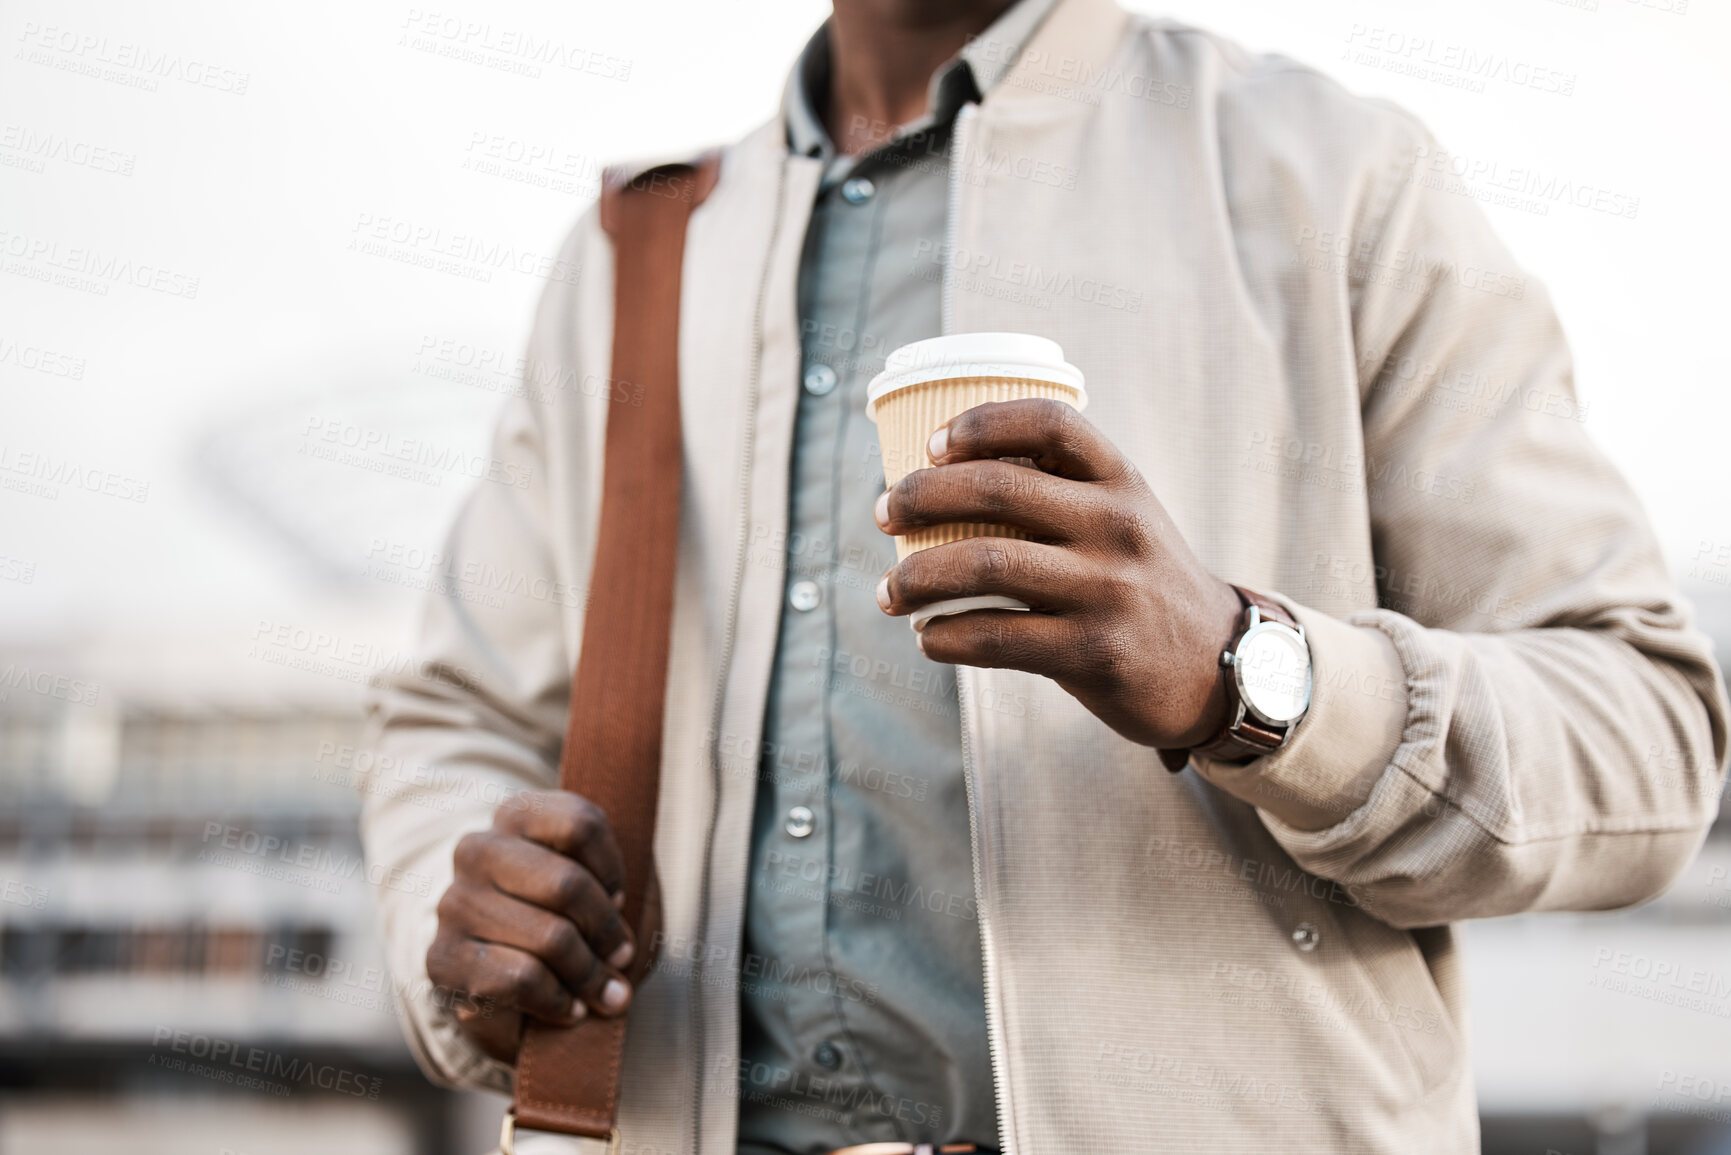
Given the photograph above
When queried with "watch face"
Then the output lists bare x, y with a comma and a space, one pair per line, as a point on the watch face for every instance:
1274, 673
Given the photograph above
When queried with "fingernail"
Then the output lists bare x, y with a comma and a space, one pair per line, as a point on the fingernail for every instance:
577, 1013
619, 900
881, 511
621, 957
920, 641
615, 995
884, 593
938, 445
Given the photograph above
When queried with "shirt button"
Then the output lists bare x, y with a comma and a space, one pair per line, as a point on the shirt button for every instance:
804, 596
819, 380
800, 823
1305, 936
858, 191
827, 1056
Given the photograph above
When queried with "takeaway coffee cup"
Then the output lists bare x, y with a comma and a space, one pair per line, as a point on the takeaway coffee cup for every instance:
927, 383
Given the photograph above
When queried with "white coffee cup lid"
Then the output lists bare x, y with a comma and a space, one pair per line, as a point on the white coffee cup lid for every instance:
975, 355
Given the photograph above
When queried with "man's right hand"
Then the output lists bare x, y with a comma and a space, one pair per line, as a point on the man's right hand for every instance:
531, 924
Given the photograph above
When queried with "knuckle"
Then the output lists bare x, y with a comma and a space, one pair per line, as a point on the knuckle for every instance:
451, 910
1001, 487
510, 816
1070, 431
471, 851
1127, 527
574, 820
558, 939
991, 562
589, 820
908, 496
568, 885
1120, 588
1000, 640
966, 424
442, 965
910, 579
1066, 424
484, 979
1106, 656
520, 976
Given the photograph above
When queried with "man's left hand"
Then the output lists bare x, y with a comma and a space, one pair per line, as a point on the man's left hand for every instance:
1124, 616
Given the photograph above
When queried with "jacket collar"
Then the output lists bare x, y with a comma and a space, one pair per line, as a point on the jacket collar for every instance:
1064, 59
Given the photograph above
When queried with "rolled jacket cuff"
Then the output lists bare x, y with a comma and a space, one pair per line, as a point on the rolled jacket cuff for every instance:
438, 1044
1345, 741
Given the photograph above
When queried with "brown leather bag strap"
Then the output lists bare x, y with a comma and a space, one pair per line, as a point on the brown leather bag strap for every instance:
568, 1077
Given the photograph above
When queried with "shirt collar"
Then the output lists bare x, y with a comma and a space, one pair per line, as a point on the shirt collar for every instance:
969, 76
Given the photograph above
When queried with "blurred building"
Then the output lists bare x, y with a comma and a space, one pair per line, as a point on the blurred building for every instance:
188, 959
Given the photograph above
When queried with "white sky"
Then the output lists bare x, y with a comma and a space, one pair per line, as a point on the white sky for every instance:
258, 196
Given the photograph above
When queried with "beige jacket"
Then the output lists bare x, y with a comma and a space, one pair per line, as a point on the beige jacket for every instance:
1346, 394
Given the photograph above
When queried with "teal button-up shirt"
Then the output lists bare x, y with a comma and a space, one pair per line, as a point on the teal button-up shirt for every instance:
862, 1001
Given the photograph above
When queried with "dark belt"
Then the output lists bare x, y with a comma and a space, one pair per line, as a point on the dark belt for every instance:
908, 1149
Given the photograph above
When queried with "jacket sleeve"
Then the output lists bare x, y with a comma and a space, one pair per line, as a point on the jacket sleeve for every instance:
1529, 722
481, 718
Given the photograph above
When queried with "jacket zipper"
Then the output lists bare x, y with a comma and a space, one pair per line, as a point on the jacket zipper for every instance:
965, 686
699, 1039
958, 159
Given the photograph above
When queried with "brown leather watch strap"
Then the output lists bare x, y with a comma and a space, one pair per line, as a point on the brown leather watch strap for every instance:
568, 1077
1270, 609
1251, 739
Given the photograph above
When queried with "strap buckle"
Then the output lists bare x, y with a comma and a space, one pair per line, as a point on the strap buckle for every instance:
508, 1135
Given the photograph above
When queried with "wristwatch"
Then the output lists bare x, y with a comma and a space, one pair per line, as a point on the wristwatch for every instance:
1267, 672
